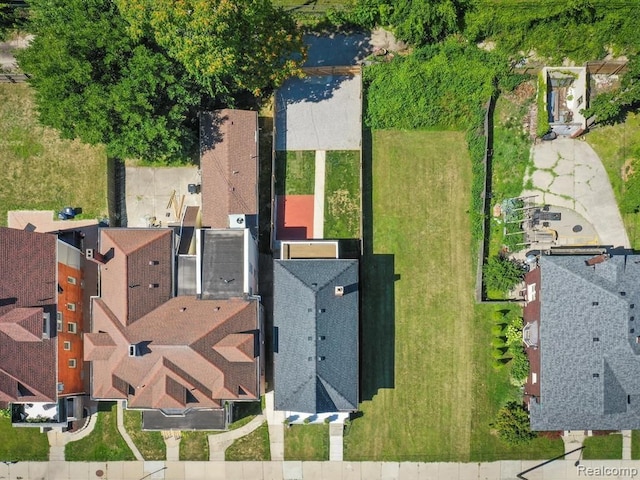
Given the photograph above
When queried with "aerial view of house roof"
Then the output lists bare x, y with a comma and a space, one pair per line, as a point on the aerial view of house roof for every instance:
229, 165
28, 293
316, 335
589, 343
164, 352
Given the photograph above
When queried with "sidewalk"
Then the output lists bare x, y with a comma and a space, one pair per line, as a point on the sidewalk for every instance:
505, 470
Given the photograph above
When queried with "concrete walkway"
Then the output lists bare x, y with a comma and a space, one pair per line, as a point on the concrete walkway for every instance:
172, 444
336, 443
568, 173
275, 423
58, 440
505, 470
626, 444
318, 197
573, 440
220, 442
123, 431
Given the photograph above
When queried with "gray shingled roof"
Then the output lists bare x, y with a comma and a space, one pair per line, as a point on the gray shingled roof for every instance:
316, 335
589, 353
222, 263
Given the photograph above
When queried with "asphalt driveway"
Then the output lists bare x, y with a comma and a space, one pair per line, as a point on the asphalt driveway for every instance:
568, 173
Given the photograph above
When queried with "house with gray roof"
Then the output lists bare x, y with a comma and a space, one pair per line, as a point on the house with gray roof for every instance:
316, 335
585, 373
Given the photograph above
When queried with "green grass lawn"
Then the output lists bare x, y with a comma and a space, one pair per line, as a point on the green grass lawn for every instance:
22, 444
342, 195
253, 447
603, 447
41, 171
104, 443
635, 444
428, 388
306, 442
295, 172
150, 444
619, 146
194, 446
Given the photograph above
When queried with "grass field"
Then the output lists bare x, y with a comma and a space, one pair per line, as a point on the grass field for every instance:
253, 447
104, 443
635, 444
306, 442
616, 146
342, 194
150, 444
22, 444
41, 171
603, 447
295, 172
428, 388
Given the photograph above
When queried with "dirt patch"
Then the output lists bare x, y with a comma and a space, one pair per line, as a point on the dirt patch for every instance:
343, 206
522, 93
628, 169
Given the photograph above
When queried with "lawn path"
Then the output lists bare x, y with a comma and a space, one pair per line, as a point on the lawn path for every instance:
318, 200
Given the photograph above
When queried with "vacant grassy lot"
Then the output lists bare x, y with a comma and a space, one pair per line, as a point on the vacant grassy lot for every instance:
104, 443
41, 171
22, 444
306, 442
253, 447
603, 447
150, 444
618, 147
295, 172
342, 195
428, 389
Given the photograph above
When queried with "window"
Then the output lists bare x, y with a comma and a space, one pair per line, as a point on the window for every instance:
73, 363
72, 327
71, 280
59, 321
67, 345
71, 307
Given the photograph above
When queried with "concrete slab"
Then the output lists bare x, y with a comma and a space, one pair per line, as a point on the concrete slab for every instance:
115, 470
371, 470
149, 189
251, 469
175, 470
58, 469
468, 470
319, 113
493, 470
428, 471
292, 470
131, 471
351, 471
331, 470
154, 470
389, 470
542, 179
337, 49
536, 474
506, 469
194, 470
217, 470
272, 471
234, 470
449, 470
312, 470
78, 470
409, 470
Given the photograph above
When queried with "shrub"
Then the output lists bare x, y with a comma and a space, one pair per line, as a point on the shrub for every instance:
514, 331
512, 424
519, 366
543, 116
502, 274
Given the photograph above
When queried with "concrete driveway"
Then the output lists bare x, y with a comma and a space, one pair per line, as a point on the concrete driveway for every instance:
568, 173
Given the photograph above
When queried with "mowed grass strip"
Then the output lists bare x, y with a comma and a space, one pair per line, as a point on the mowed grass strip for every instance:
104, 443
342, 194
418, 334
150, 444
194, 446
22, 444
306, 442
41, 171
603, 447
618, 146
295, 172
253, 447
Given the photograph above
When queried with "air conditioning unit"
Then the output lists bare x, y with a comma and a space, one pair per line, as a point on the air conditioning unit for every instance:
237, 221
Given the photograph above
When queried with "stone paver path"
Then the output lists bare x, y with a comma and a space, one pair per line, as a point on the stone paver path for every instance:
318, 198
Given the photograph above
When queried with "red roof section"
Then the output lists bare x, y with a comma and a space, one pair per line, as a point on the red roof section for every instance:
229, 165
27, 290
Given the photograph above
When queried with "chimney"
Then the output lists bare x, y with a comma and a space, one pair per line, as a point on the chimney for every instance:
134, 351
597, 259
339, 291
94, 256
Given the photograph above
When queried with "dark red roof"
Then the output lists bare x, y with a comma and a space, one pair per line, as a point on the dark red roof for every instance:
28, 263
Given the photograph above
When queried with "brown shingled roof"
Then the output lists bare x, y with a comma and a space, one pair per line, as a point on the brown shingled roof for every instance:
177, 366
229, 165
27, 289
137, 274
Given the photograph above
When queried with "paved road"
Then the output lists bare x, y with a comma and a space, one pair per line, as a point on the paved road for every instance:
505, 470
568, 173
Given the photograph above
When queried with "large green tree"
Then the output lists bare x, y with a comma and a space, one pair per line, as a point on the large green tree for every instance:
93, 82
226, 45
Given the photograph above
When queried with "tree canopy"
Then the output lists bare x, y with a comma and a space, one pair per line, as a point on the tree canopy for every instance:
225, 45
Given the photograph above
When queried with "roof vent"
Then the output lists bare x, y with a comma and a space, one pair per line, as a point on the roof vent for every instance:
133, 351
622, 294
595, 304
237, 221
596, 375
596, 339
154, 285
153, 262
339, 291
